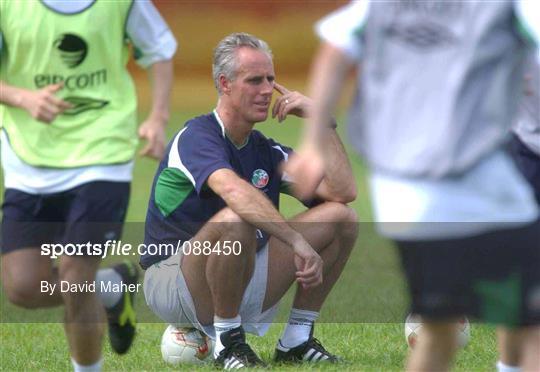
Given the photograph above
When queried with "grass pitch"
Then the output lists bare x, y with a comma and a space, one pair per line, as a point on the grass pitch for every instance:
361, 321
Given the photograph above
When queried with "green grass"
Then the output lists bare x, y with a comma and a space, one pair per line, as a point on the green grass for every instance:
366, 347
361, 320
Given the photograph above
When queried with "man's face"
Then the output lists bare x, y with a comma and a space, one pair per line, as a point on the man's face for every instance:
251, 91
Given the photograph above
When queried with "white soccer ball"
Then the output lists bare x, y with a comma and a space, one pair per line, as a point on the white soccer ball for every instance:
413, 329
185, 345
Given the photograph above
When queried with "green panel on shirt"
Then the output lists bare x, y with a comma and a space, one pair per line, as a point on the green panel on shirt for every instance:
172, 188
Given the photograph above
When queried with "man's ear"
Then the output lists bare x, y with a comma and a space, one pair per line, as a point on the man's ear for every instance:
224, 84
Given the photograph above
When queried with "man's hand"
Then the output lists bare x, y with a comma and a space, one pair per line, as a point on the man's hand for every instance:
293, 103
153, 130
42, 104
308, 263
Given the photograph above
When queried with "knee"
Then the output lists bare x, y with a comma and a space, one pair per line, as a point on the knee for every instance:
24, 294
350, 216
339, 212
349, 226
345, 219
77, 277
232, 225
79, 297
441, 335
78, 269
350, 221
27, 279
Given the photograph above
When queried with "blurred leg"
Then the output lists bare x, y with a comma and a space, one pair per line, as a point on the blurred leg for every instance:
520, 347
23, 271
509, 343
435, 349
530, 352
84, 313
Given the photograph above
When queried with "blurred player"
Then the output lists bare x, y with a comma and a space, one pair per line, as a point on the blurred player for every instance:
526, 139
525, 149
69, 135
218, 188
438, 89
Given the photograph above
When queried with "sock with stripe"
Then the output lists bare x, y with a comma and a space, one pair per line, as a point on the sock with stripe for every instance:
298, 328
222, 325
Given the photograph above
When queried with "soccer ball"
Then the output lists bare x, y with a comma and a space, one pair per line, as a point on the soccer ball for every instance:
185, 345
413, 328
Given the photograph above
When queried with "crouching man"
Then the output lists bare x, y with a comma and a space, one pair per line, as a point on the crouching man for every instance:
217, 191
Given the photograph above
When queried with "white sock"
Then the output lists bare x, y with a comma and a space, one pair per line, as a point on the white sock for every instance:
109, 298
298, 328
501, 367
96, 367
222, 325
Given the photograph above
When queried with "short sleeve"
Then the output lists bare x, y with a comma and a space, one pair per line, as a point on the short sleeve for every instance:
152, 39
199, 152
528, 16
343, 28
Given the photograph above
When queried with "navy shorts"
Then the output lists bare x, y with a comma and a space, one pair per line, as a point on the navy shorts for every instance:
93, 212
528, 163
493, 277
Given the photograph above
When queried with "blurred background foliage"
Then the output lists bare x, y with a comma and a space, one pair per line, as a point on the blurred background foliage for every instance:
287, 26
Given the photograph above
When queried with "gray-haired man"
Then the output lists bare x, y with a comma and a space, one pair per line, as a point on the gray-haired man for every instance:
218, 187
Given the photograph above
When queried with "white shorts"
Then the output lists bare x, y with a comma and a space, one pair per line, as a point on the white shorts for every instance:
491, 196
168, 296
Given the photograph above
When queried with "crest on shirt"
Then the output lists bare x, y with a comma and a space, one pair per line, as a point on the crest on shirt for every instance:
260, 178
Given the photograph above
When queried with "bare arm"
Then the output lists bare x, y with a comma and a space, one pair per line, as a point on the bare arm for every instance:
326, 82
153, 128
41, 104
327, 78
255, 208
337, 182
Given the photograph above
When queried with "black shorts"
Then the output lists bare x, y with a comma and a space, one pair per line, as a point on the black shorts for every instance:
93, 212
493, 277
528, 163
